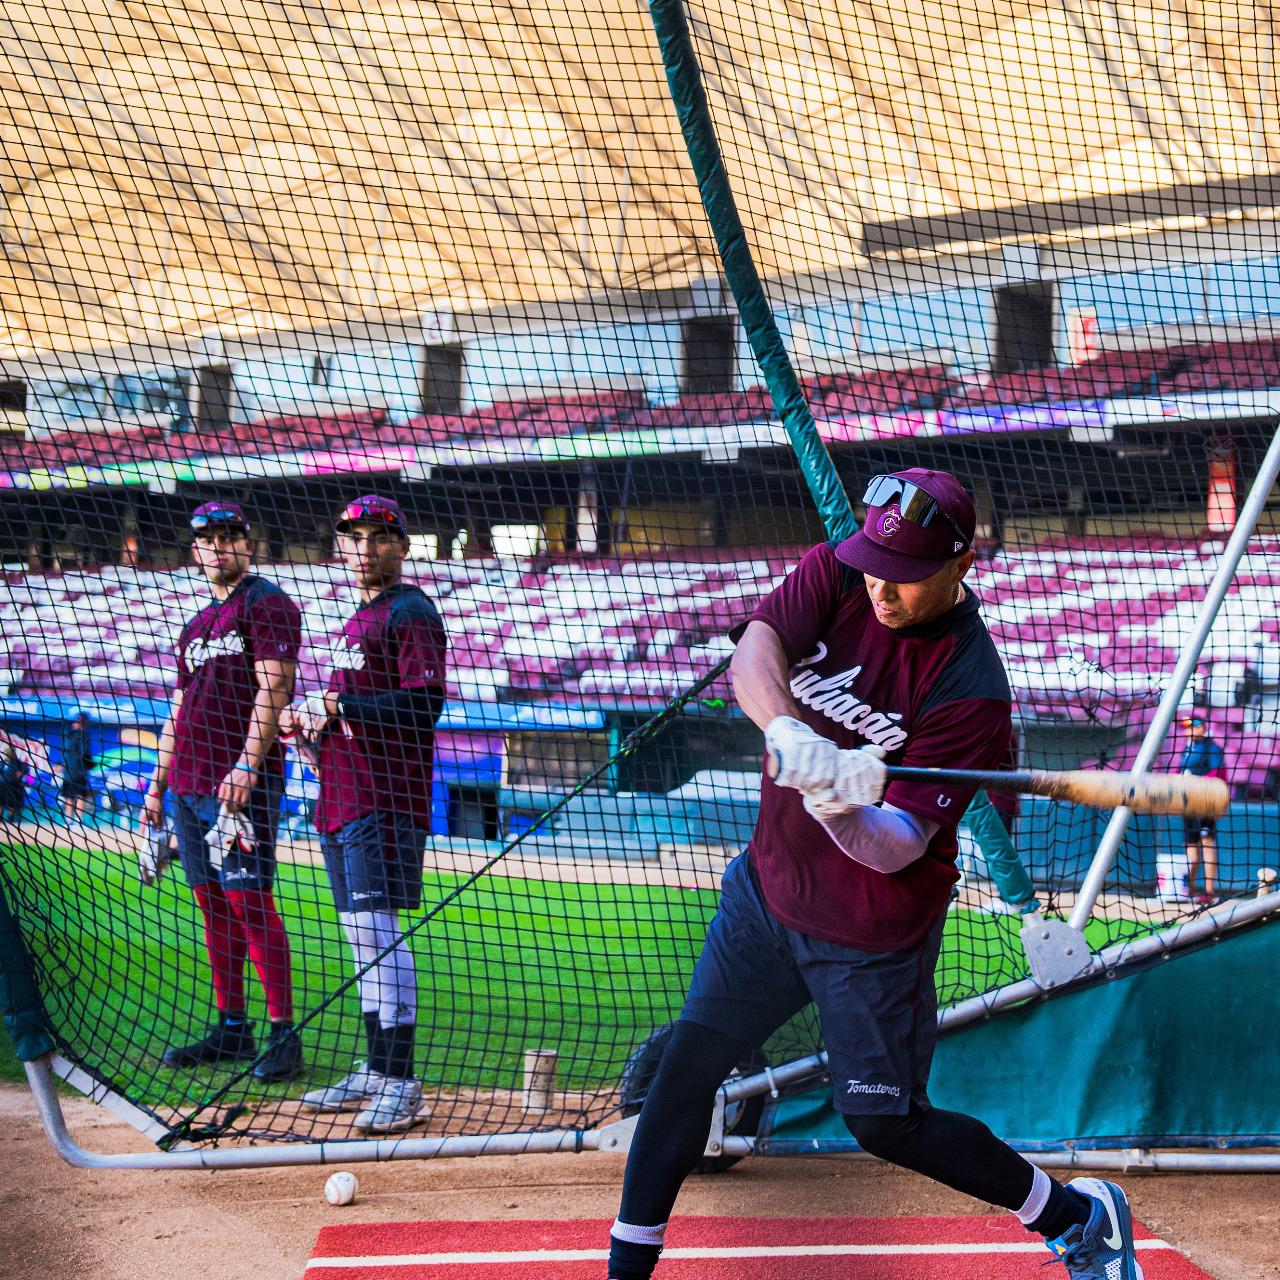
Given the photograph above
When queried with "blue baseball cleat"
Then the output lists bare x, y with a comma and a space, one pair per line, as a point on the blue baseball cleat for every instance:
1102, 1249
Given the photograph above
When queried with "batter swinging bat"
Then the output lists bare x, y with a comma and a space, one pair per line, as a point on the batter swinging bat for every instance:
1182, 794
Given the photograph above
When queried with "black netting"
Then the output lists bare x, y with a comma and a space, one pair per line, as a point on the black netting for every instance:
261, 261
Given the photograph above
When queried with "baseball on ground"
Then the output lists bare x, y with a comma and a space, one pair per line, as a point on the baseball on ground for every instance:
341, 1188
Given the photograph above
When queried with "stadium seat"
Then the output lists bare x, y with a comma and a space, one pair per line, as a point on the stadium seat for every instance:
641, 629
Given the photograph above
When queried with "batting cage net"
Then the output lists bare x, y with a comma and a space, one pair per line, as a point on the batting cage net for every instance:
403, 402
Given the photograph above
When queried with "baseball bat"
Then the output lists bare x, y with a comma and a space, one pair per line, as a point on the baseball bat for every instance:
1182, 794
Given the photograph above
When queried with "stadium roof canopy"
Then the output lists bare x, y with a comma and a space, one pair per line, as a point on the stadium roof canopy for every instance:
228, 167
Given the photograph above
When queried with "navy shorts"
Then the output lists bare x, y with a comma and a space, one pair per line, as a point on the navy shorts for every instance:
76, 789
1196, 829
878, 1009
193, 816
375, 862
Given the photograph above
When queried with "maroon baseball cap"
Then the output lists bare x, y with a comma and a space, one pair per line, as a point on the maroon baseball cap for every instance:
219, 515
372, 509
916, 521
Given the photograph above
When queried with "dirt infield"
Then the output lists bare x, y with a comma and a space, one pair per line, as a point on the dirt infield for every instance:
261, 1225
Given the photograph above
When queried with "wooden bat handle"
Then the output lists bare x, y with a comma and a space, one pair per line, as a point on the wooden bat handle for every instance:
1181, 794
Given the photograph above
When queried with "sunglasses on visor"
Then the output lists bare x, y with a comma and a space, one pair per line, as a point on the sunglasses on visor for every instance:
217, 520
370, 512
914, 504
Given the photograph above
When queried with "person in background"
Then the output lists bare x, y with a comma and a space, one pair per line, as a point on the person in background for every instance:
220, 759
133, 552
77, 793
372, 732
13, 783
1203, 758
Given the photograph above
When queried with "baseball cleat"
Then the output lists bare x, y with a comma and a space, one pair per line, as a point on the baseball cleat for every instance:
224, 1043
1103, 1248
283, 1057
361, 1085
398, 1106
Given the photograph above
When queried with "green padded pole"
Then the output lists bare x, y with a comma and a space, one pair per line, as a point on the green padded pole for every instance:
685, 80
1003, 864
19, 999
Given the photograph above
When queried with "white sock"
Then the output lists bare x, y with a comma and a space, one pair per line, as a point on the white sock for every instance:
366, 984
390, 985
1037, 1198
625, 1231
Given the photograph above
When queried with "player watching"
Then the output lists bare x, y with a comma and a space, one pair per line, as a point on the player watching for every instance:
871, 649
77, 761
13, 783
371, 733
1203, 758
219, 757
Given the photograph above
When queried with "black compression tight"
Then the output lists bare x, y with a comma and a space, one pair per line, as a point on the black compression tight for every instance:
672, 1131
954, 1149
671, 1135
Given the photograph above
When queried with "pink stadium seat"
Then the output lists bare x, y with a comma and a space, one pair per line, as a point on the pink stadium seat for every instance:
645, 624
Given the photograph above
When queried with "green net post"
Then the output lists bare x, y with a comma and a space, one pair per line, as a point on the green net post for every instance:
1003, 864
685, 81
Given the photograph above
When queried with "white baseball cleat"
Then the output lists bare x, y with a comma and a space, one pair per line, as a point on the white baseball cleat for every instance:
398, 1106
361, 1085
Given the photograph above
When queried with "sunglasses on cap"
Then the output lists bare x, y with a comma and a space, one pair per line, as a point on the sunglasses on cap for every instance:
219, 518
359, 512
914, 504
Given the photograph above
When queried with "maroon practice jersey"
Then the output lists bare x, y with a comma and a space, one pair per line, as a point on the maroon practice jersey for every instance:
933, 695
216, 651
394, 642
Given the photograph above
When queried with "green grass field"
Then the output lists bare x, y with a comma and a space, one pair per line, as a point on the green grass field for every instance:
517, 963
514, 963
10, 1067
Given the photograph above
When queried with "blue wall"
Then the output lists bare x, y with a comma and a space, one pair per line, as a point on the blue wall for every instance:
603, 355
1134, 299
958, 319
281, 383
1240, 290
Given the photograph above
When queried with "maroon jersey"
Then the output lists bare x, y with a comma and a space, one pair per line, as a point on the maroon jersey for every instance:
382, 760
216, 652
933, 695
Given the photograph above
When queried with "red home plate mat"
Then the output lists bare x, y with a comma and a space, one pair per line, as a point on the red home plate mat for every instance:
993, 1247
